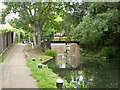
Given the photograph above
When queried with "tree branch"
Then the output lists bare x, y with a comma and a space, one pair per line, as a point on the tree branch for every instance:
45, 8
39, 15
48, 11
30, 12
25, 7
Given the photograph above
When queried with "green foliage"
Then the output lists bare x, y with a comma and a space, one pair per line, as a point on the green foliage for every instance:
91, 31
35, 17
108, 52
20, 34
99, 28
87, 53
8, 30
50, 53
74, 84
75, 11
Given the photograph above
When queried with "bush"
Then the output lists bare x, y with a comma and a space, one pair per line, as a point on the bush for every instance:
87, 53
50, 53
108, 52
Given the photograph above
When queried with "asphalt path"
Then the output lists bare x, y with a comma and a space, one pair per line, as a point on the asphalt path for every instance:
15, 73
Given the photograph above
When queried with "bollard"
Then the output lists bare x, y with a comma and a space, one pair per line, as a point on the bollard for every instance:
40, 59
40, 65
33, 59
32, 45
59, 83
80, 78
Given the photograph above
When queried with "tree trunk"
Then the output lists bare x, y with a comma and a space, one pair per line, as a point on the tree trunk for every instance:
34, 37
39, 37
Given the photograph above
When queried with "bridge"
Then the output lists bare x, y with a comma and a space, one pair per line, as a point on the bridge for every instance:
65, 42
59, 40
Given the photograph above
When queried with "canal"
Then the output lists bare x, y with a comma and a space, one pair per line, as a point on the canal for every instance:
96, 73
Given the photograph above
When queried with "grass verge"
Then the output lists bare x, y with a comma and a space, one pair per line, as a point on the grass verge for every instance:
44, 76
1, 59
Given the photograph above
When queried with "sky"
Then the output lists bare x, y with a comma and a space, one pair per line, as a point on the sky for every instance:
1, 5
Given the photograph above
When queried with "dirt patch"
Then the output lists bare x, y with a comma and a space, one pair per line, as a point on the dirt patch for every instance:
29, 50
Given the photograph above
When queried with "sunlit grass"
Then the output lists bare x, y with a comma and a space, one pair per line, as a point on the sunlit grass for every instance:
44, 76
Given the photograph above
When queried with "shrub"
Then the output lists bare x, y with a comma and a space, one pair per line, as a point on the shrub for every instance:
108, 52
50, 53
87, 53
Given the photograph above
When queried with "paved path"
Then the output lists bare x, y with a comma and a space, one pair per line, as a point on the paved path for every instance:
15, 73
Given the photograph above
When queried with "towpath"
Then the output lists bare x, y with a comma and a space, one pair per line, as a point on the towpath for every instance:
15, 73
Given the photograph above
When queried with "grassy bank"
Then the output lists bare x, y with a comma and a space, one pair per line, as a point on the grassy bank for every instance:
44, 76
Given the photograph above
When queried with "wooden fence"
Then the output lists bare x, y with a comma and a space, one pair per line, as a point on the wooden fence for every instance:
5, 40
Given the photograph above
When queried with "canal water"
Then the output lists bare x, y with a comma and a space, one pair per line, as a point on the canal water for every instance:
96, 73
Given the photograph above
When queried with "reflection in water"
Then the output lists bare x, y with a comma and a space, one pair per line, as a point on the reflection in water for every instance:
95, 73
62, 66
74, 60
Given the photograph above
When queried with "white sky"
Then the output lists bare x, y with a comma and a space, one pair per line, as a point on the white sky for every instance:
1, 5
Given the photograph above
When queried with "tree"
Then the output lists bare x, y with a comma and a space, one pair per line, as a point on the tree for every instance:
75, 11
34, 13
100, 27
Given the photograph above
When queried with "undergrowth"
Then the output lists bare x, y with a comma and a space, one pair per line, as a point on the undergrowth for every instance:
49, 52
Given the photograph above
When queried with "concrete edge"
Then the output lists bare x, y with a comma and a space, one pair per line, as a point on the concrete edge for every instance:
47, 60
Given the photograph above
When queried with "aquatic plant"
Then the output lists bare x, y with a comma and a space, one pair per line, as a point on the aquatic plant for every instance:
74, 84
